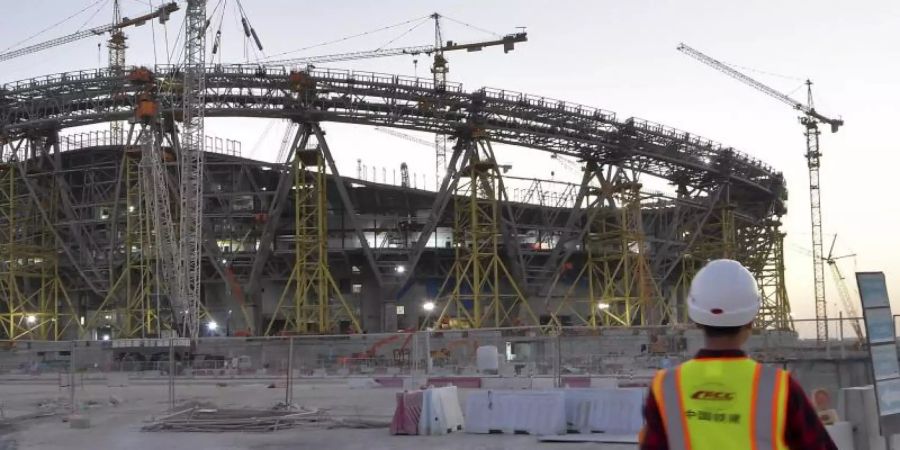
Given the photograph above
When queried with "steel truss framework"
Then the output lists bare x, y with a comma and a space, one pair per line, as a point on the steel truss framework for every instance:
480, 290
727, 204
312, 302
620, 288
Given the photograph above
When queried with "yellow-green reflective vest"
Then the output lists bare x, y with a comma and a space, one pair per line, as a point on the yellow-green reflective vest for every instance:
723, 403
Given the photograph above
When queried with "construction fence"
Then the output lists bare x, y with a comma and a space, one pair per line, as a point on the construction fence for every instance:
575, 357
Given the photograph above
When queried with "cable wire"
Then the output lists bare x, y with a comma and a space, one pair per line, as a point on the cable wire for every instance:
153, 35
96, 11
51, 27
763, 72
471, 26
346, 38
401, 35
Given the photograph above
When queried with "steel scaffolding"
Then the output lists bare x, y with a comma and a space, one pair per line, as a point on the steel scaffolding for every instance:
615, 285
36, 305
500, 252
775, 310
311, 302
480, 291
140, 311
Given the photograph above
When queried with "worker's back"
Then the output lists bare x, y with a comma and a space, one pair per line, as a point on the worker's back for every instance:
722, 399
722, 403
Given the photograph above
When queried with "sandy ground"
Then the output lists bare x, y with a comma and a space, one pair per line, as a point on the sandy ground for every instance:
118, 413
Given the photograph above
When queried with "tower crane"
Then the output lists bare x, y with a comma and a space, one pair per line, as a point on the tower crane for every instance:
439, 69
190, 165
162, 13
810, 119
508, 42
843, 290
404, 136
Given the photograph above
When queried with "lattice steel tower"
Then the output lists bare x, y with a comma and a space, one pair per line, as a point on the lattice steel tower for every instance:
190, 164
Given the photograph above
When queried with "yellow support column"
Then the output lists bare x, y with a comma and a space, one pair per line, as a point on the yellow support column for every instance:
139, 310
620, 288
34, 303
479, 290
775, 311
311, 301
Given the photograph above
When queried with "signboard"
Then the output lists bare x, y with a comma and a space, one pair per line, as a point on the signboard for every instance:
882, 347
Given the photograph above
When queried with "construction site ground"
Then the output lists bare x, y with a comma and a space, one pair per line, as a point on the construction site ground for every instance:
117, 415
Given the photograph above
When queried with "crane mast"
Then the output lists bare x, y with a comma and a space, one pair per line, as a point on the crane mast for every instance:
810, 121
190, 165
116, 46
811, 132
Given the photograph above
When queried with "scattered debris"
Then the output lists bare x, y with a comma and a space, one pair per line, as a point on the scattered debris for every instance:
220, 420
209, 418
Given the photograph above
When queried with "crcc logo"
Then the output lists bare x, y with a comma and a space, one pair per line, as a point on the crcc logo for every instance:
712, 395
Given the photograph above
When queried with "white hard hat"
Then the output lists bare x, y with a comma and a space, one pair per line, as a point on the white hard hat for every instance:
723, 294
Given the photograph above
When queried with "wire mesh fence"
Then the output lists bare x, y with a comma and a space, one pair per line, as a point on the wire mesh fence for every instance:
238, 371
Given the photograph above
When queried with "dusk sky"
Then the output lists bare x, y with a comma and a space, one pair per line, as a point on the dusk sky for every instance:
615, 55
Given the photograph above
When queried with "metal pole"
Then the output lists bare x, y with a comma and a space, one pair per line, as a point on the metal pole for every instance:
289, 386
558, 362
414, 356
171, 374
72, 377
427, 352
841, 334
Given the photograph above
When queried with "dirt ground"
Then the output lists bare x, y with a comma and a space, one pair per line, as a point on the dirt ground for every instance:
118, 413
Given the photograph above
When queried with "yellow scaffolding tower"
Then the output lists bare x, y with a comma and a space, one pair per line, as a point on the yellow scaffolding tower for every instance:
139, 311
311, 301
716, 238
620, 288
35, 304
472, 294
128, 305
775, 310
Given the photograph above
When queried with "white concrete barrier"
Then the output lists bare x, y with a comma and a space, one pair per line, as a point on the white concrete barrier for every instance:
616, 411
842, 435
496, 383
441, 413
532, 412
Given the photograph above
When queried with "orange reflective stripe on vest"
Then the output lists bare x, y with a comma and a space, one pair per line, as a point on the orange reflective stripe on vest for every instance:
732, 403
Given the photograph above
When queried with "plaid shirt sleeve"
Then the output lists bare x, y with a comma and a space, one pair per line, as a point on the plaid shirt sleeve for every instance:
653, 435
804, 430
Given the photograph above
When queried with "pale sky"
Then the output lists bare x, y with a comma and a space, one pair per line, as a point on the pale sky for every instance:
616, 55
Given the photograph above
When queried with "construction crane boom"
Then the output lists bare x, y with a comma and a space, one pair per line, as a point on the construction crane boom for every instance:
810, 120
843, 290
404, 136
508, 42
809, 110
162, 13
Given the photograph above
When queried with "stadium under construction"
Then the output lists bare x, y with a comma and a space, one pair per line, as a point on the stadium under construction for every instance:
298, 246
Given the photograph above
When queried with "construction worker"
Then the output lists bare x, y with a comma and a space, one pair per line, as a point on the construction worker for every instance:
722, 399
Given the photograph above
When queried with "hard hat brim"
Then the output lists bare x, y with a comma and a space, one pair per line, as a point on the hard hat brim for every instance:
734, 318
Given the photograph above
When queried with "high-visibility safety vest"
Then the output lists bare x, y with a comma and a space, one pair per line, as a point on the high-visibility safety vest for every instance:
723, 403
